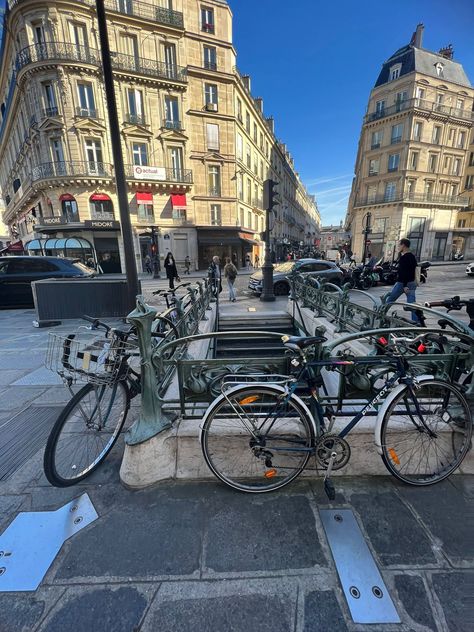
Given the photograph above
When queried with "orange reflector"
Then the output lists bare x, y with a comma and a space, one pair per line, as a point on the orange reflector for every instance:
394, 456
270, 473
249, 400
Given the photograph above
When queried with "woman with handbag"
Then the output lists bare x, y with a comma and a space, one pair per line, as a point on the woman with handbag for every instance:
171, 269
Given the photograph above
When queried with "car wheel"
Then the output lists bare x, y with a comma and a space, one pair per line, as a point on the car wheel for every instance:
280, 289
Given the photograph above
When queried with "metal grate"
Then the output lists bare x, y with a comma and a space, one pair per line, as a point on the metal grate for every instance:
24, 435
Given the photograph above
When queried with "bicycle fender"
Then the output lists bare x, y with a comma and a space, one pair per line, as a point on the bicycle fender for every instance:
383, 409
234, 389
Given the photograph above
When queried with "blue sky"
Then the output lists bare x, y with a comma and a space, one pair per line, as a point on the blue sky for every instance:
314, 63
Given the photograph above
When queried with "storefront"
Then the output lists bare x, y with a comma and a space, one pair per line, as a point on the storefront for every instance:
226, 242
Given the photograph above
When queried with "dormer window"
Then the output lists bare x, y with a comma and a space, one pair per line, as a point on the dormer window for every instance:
395, 72
439, 69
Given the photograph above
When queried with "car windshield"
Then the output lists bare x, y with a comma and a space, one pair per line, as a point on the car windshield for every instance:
80, 266
285, 267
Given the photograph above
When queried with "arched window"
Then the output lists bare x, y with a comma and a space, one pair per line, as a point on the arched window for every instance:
69, 207
101, 206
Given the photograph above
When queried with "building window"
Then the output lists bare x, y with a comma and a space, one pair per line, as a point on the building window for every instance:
460, 104
461, 140
420, 93
376, 140
432, 163
439, 69
394, 72
57, 152
210, 94
456, 166
380, 107
374, 167
411, 188
414, 160
390, 191
461, 223
451, 136
255, 133
436, 134
371, 193
261, 141
140, 154
50, 103
261, 169
101, 207
400, 100
249, 157
69, 209
216, 215
176, 159
172, 113
135, 106
146, 213
207, 20
240, 147
249, 191
471, 159
210, 57
397, 131
38, 33
415, 234
239, 110
240, 188
417, 130
94, 157
215, 181
393, 162
249, 219
469, 182
247, 122
212, 135
86, 100
429, 186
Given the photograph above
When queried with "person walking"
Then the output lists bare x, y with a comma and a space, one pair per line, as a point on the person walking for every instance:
406, 277
148, 267
256, 262
171, 270
247, 261
187, 265
230, 273
214, 272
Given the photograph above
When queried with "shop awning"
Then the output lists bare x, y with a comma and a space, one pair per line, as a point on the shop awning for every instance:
145, 197
178, 201
247, 238
15, 247
99, 197
66, 197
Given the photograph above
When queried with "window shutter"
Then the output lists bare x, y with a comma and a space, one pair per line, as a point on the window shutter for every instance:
212, 136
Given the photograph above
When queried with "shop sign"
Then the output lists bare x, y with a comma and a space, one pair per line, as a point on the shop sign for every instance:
143, 172
102, 224
52, 221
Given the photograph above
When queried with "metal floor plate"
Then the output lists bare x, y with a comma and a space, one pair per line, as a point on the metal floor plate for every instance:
23, 435
366, 594
39, 377
31, 542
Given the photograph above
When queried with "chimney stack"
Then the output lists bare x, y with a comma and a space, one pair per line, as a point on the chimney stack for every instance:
246, 82
447, 52
271, 124
419, 35
259, 103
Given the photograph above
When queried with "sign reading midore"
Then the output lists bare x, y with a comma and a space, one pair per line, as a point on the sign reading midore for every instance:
150, 173
104, 224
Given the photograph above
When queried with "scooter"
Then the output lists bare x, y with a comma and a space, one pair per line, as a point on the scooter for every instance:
424, 265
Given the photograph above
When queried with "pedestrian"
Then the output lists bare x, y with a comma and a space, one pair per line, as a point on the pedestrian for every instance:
148, 264
406, 276
230, 273
247, 261
256, 261
371, 260
214, 272
171, 270
187, 264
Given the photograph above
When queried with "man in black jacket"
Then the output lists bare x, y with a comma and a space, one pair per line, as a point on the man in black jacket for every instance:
406, 282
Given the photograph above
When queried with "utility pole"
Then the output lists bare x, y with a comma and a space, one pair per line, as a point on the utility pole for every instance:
156, 253
270, 200
125, 223
367, 231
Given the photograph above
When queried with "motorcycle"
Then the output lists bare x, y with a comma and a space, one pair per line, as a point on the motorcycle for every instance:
424, 265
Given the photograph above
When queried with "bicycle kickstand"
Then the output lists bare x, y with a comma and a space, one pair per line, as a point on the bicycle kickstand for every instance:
328, 484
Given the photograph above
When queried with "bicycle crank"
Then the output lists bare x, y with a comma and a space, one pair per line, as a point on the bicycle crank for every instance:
332, 449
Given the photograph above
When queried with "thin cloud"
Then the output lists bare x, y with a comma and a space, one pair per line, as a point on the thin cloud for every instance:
325, 180
334, 191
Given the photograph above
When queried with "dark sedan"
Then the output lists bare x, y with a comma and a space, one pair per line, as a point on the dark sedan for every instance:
324, 270
17, 274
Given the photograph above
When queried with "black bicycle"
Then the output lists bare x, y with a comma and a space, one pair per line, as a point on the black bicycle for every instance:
257, 437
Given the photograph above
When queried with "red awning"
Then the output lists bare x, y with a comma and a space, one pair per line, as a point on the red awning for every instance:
145, 196
99, 197
16, 247
178, 201
66, 197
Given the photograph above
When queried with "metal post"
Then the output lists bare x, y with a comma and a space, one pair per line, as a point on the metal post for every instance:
156, 254
367, 232
126, 226
267, 268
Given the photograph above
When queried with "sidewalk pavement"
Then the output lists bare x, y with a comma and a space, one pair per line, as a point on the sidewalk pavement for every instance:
182, 557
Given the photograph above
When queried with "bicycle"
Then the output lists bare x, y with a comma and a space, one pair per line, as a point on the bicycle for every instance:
259, 437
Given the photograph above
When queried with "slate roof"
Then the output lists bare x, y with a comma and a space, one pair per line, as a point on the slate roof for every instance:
423, 61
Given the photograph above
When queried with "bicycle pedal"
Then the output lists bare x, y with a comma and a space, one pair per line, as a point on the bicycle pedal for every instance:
329, 489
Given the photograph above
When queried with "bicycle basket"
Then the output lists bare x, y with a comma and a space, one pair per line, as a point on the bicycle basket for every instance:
94, 360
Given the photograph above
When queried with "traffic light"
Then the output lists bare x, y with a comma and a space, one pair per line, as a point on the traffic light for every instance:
271, 196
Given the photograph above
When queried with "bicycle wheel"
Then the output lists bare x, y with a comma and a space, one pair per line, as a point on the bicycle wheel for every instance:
254, 442
85, 432
426, 433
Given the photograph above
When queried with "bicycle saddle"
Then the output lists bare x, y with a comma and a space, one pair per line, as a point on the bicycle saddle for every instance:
302, 341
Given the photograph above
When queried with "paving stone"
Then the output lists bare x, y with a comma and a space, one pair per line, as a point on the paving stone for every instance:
455, 592
262, 534
141, 538
8, 506
449, 515
20, 612
15, 398
235, 613
464, 483
323, 613
15, 360
7, 376
393, 531
119, 609
412, 594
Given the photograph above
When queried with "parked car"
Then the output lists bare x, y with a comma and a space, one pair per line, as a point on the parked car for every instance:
470, 269
326, 270
17, 273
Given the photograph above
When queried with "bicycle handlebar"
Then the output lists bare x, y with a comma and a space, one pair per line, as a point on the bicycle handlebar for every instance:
164, 292
96, 323
454, 303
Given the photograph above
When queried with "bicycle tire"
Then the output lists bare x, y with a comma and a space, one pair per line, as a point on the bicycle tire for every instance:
57, 473
256, 466
403, 439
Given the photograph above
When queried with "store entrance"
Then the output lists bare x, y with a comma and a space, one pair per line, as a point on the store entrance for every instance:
108, 256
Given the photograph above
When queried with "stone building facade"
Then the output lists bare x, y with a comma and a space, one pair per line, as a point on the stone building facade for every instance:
196, 144
412, 153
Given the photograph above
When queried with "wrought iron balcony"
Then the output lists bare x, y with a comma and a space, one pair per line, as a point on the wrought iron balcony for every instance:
395, 140
86, 112
51, 111
146, 11
208, 28
420, 104
210, 65
62, 51
136, 119
214, 191
176, 125
66, 169
151, 67
375, 146
421, 198
182, 176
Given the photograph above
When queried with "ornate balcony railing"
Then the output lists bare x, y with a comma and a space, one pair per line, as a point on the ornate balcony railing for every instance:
63, 51
420, 104
214, 191
184, 176
176, 125
151, 67
146, 11
136, 119
64, 169
86, 112
422, 198
51, 111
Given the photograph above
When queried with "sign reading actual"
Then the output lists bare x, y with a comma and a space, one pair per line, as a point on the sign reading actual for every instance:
142, 172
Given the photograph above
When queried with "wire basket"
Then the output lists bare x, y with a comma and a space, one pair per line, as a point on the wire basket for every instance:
97, 361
